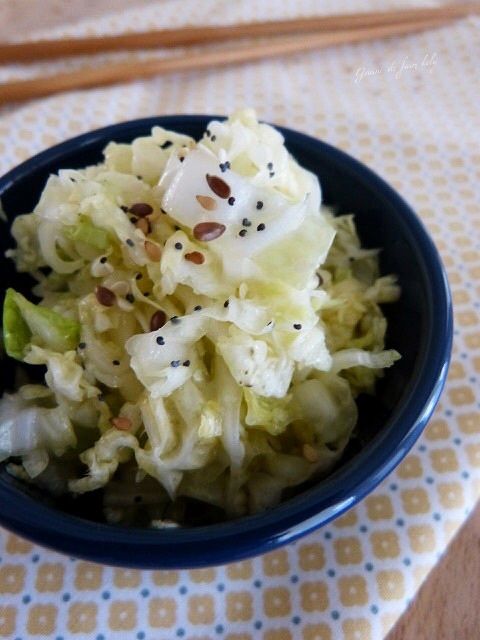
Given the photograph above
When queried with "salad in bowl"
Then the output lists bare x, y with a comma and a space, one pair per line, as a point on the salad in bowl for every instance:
205, 326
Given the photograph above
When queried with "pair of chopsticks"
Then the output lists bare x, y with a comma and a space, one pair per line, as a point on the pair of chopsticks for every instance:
284, 37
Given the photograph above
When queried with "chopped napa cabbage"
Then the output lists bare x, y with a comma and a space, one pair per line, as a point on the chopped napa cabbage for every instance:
24, 321
84, 231
64, 376
229, 398
271, 414
147, 156
326, 404
27, 429
293, 259
204, 322
27, 254
359, 358
254, 364
176, 270
103, 460
256, 150
158, 358
277, 218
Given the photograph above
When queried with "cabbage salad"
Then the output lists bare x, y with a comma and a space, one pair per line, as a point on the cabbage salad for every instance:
204, 323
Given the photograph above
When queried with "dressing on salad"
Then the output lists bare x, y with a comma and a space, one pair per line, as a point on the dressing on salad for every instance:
205, 324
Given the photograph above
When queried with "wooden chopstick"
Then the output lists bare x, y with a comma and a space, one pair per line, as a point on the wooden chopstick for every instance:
44, 49
125, 71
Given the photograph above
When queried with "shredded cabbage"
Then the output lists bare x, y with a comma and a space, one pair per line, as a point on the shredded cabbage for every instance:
205, 324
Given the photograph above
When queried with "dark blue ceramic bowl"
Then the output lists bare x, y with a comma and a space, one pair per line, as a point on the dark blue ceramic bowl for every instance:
420, 328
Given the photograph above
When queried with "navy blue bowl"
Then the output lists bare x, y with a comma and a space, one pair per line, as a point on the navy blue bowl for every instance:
420, 328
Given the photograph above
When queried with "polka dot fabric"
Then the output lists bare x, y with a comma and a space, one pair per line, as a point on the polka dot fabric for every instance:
409, 109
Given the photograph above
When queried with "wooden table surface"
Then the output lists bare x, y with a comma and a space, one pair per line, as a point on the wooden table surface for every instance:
447, 606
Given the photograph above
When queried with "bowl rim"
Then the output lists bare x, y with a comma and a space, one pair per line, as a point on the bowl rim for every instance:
255, 534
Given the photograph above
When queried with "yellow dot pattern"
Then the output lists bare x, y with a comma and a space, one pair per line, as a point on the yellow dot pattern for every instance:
416, 123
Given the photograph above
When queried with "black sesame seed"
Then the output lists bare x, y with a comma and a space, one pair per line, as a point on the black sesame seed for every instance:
103, 260
226, 303
231, 201
242, 233
178, 246
139, 276
186, 363
116, 362
72, 179
160, 340
259, 204
163, 211
130, 243
246, 222
175, 320
124, 208
82, 345
213, 138
176, 227
130, 298
182, 158
270, 165
139, 178
166, 144
271, 174
261, 227
175, 363
197, 308
207, 133
297, 326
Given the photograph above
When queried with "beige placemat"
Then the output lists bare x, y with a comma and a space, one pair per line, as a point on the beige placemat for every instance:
408, 108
